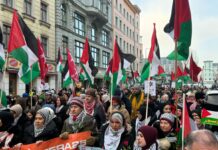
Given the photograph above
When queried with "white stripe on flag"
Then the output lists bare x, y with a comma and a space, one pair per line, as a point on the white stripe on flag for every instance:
32, 58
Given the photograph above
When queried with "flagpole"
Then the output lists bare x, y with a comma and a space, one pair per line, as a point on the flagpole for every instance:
148, 92
4, 70
31, 84
183, 120
176, 100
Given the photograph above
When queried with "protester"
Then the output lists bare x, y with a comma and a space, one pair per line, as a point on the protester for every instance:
6, 120
146, 139
19, 124
94, 108
42, 129
78, 121
201, 140
117, 106
137, 99
166, 129
114, 135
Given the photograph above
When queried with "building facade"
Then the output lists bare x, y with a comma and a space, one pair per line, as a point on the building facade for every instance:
126, 29
39, 15
78, 19
209, 72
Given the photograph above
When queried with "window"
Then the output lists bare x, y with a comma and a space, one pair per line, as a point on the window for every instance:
64, 46
44, 41
95, 56
93, 33
120, 44
127, 47
121, 25
28, 7
78, 50
105, 39
127, 31
9, 3
105, 59
120, 8
79, 24
124, 46
64, 15
6, 34
127, 15
44, 12
116, 21
124, 28
124, 12
130, 18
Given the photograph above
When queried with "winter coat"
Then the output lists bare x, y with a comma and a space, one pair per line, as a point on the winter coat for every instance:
48, 133
99, 115
87, 124
18, 130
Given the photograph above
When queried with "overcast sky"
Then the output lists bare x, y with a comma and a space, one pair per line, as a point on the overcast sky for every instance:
204, 27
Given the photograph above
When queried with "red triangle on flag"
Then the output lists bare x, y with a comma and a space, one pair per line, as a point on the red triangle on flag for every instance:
160, 70
205, 113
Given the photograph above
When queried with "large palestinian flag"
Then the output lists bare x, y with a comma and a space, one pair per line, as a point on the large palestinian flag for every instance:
180, 28
153, 66
87, 63
23, 47
120, 62
2, 52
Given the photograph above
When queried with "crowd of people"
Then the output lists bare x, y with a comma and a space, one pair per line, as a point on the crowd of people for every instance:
116, 123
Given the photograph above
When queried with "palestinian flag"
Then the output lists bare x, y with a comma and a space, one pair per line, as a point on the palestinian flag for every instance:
180, 28
120, 62
124, 77
87, 63
209, 117
82, 75
188, 123
23, 47
66, 76
145, 72
42, 62
59, 62
72, 67
2, 52
151, 68
194, 70
107, 75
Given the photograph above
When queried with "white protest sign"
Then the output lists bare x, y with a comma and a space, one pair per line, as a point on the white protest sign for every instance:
152, 87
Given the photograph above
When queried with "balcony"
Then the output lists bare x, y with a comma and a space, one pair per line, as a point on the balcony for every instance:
96, 15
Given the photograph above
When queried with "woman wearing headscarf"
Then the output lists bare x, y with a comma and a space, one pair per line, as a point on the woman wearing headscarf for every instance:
43, 127
6, 120
146, 139
114, 135
78, 121
19, 124
94, 108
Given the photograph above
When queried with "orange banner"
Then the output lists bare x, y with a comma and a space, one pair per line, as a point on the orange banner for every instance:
59, 144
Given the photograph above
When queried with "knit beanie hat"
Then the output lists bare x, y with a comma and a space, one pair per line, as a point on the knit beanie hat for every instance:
75, 101
91, 91
118, 116
17, 109
150, 135
168, 117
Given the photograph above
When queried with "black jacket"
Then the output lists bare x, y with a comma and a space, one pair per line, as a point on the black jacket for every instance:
18, 129
48, 133
99, 115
